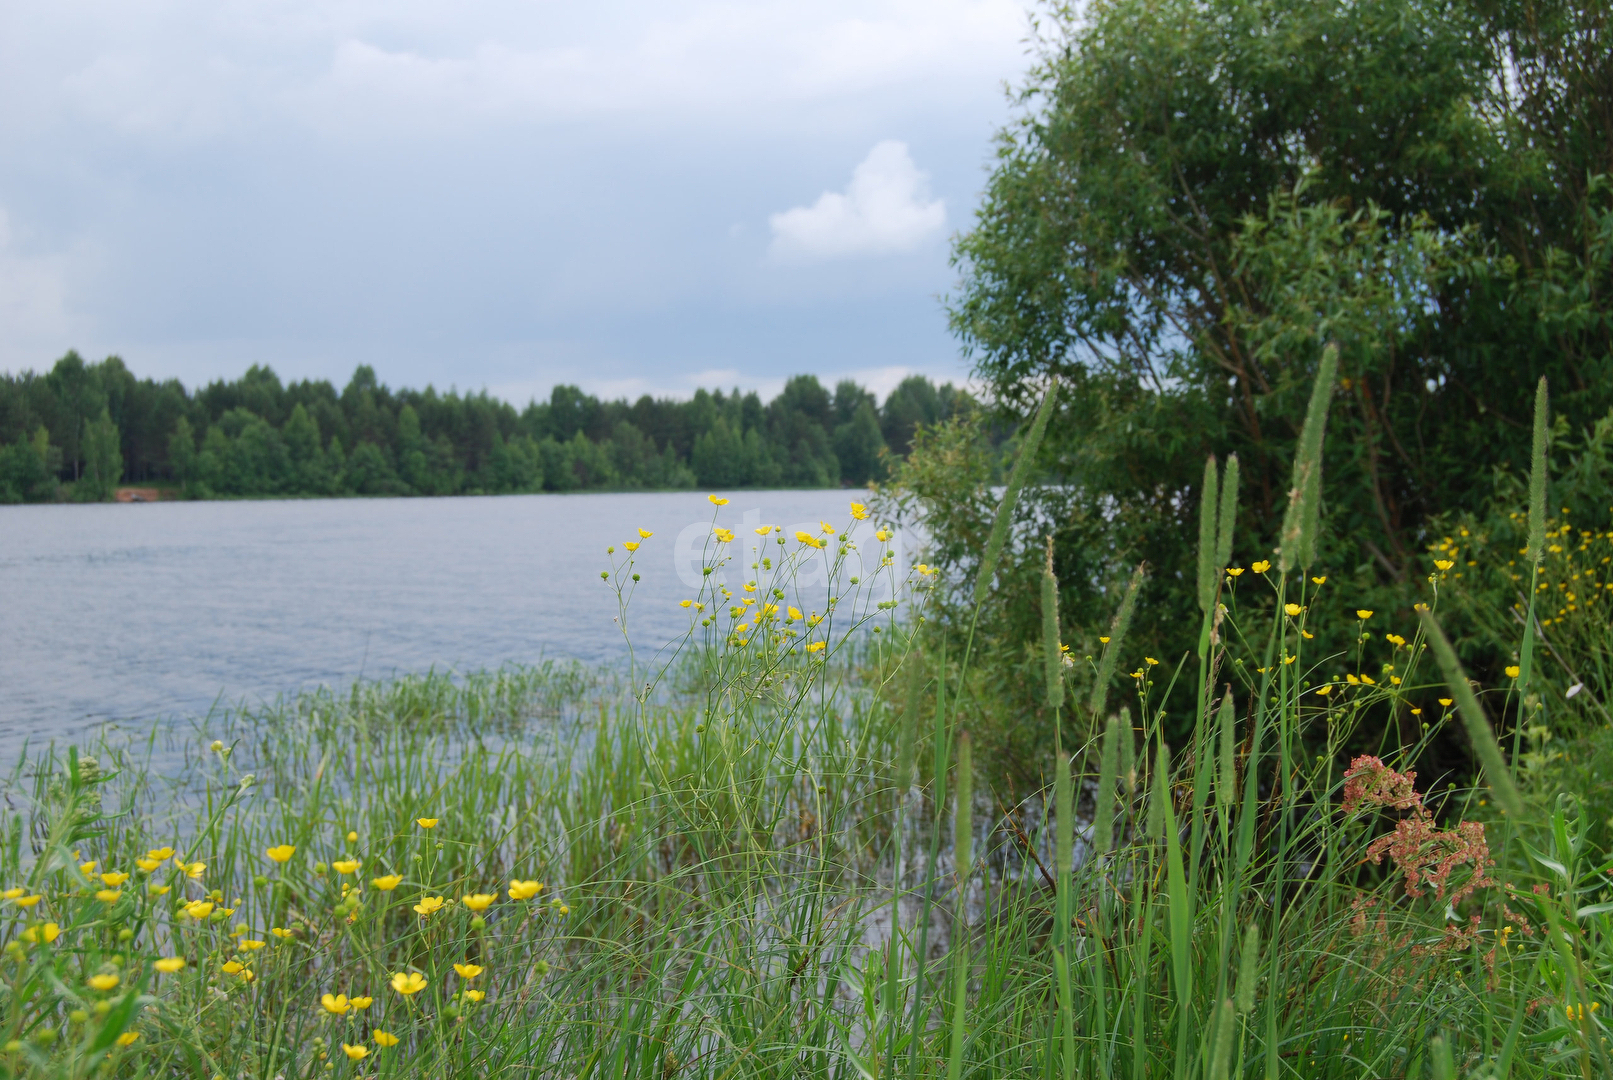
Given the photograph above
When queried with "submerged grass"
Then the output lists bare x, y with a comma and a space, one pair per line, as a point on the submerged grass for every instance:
761, 856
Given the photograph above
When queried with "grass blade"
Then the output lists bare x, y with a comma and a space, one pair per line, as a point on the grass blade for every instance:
1016, 480
1478, 727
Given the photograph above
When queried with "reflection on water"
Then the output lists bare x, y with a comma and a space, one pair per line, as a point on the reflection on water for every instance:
137, 611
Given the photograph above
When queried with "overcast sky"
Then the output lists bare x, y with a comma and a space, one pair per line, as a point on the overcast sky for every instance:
489, 193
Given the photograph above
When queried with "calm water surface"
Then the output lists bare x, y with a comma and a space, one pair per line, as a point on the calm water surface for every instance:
135, 613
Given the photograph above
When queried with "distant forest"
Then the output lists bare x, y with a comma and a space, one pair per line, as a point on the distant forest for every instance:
82, 429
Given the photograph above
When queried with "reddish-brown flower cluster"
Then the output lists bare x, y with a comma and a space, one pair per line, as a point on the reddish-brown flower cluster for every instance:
1426, 854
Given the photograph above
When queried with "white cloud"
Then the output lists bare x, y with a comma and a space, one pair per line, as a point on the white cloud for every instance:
885, 209
35, 322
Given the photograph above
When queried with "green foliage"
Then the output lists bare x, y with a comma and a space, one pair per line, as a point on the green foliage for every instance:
255, 437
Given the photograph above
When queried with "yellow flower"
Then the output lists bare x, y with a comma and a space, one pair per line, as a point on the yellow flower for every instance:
825, 527
233, 967
1292, 609
468, 971
44, 932
478, 901
794, 613
407, 983
1368, 679
114, 880
250, 944
335, 1004
160, 853
87, 867
29, 901
724, 536
817, 646
685, 603
859, 511
1445, 701
1139, 673
814, 619
387, 882
1353, 680
1513, 670
525, 890
281, 932
1262, 566
192, 870
384, 1038
345, 866
281, 852
427, 822
808, 539
1416, 712
148, 865
108, 896
352, 837
645, 534
1363, 614
1289, 659
473, 995
1150, 661
630, 545
360, 1003
1104, 640
883, 535
763, 530
1394, 639
198, 909
1234, 571
428, 904
13, 892
103, 982
1323, 691
716, 500
1443, 564
1320, 580
355, 1053
128, 1038
1395, 679
170, 964
158, 890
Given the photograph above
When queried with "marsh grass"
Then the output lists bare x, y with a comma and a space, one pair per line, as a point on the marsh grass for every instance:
764, 854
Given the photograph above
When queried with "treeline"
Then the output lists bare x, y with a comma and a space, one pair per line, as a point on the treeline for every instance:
81, 429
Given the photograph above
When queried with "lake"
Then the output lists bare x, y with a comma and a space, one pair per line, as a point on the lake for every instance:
142, 612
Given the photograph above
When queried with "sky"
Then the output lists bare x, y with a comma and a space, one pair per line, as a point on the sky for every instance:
491, 194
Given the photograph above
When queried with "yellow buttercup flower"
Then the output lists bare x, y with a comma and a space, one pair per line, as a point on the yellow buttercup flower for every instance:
1513, 670
808, 539
428, 904
1292, 609
128, 1038
105, 981
360, 1003
250, 944
1363, 613
345, 866
281, 852
724, 536
859, 511
1320, 580
28, 901
114, 880
387, 882
1443, 564
883, 535
88, 867
44, 932
817, 646
826, 528
170, 964
1369, 680
384, 1038
233, 967
1445, 701
427, 822
1353, 681
192, 870
1104, 640
716, 500
525, 890
763, 530
158, 890
13, 892
794, 613
108, 896
198, 909
1262, 566
148, 865
352, 837
478, 901
645, 534
355, 1053
335, 1004
1394, 639
1150, 661
630, 545
160, 853
1323, 691
468, 971
281, 932
1234, 571
473, 995
685, 603
407, 983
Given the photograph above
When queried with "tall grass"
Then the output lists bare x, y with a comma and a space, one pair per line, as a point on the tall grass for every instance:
736, 861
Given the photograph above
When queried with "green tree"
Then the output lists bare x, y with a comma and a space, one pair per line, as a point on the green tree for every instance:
182, 455
858, 443
103, 459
